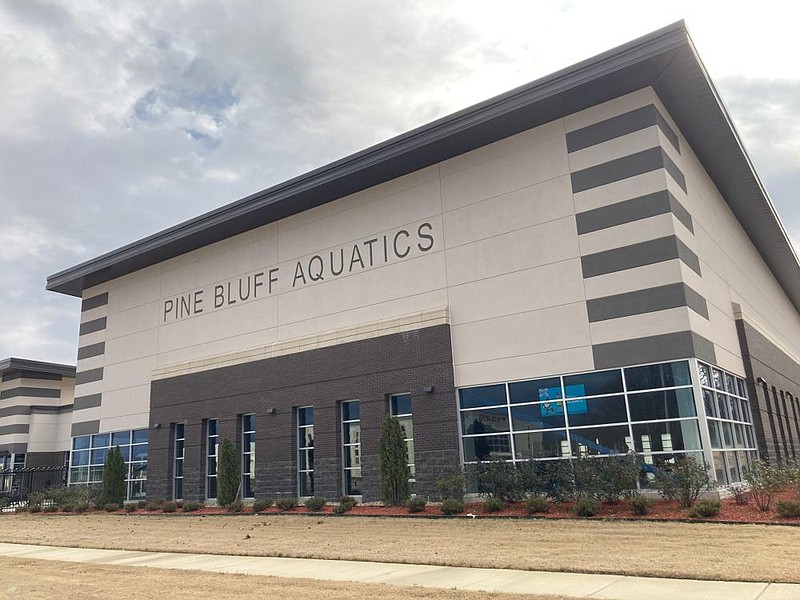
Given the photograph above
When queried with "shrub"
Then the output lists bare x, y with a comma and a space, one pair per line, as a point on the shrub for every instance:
764, 481
498, 479
451, 506
179, 503
169, 507
236, 506
640, 504
705, 509
64, 495
35, 508
50, 508
684, 482
788, 509
346, 503
68, 508
153, 505
286, 503
262, 504
316, 503
228, 473
192, 506
113, 487
111, 507
395, 473
587, 507
81, 508
493, 505
740, 494
536, 504
141, 503
130, 507
451, 487
416, 505
560, 484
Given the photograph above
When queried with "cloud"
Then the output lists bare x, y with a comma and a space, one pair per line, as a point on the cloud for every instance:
25, 237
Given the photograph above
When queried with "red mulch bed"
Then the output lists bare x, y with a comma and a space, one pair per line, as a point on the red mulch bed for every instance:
662, 511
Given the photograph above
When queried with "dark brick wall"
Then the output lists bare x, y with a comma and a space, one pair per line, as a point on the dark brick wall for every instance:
368, 370
773, 383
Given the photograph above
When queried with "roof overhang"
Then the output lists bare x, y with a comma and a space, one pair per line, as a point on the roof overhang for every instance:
24, 365
665, 59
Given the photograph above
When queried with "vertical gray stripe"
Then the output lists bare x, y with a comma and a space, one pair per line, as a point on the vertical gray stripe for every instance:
85, 428
656, 348
91, 350
646, 301
89, 376
90, 401
625, 167
623, 124
94, 302
92, 326
638, 255
635, 209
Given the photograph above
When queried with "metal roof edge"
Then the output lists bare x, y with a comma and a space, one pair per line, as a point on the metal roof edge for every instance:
24, 364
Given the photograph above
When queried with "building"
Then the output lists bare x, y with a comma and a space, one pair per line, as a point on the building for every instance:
587, 264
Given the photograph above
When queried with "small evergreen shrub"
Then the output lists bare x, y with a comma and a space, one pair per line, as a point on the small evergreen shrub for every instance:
130, 507
261, 504
587, 507
113, 487
192, 506
788, 509
228, 473
81, 508
451, 506
395, 489
705, 509
169, 507
35, 508
493, 505
141, 503
236, 506
50, 508
348, 501
640, 504
68, 508
451, 487
536, 504
560, 484
111, 507
316, 503
416, 505
152, 506
286, 503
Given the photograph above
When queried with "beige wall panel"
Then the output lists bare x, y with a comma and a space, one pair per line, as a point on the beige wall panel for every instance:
84, 389
128, 374
543, 244
729, 361
720, 328
523, 168
625, 189
509, 145
67, 390
630, 280
556, 328
362, 198
258, 315
15, 438
90, 363
371, 286
521, 208
637, 326
19, 419
125, 401
521, 291
609, 109
211, 349
49, 433
618, 147
32, 382
131, 421
95, 313
134, 289
92, 338
133, 320
627, 234
88, 414
407, 208
715, 290
133, 346
572, 360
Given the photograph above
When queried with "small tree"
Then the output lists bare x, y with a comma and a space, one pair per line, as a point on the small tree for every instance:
685, 482
394, 464
227, 474
113, 490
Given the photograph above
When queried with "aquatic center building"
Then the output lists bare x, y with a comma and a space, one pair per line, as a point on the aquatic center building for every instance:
585, 265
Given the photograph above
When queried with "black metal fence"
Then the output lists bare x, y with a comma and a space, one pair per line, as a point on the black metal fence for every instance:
17, 484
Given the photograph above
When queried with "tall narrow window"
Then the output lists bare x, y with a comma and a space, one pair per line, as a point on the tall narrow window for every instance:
248, 455
180, 440
212, 448
351, 443
305, 448
401, 408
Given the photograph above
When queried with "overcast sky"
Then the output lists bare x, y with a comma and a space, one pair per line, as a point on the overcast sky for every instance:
118, 119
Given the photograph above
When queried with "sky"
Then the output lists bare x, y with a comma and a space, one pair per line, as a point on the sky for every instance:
119, 119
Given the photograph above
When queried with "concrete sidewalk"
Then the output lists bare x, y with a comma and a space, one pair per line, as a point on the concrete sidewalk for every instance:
616, 587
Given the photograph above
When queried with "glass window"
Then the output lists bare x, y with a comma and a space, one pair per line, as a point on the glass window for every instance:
541, 444
593, 384
212, 452
486, 420
705, 376
709, 403
178, 455
121, 438
351, 441
305, 449
487, 447
248, 455
141, 436
80, 458
596, 411
100, 440
665, 404
535, 391
93, 451
401, 404
543, 415
722, 406
715, 433
400, 407
666, 436
658, 376
488, 395
720, 470
600, 440
80, 443
719, 379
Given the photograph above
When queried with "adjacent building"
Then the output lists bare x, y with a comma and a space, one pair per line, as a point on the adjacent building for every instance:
585, 265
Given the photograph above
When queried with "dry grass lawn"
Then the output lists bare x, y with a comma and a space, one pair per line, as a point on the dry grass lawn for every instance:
45, 580
689, 550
